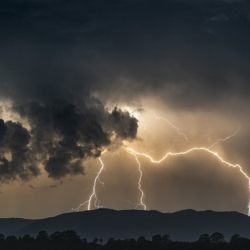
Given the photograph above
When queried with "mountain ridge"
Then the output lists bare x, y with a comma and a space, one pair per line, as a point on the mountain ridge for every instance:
185, 225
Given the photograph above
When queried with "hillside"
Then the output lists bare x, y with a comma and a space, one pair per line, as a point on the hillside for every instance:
185, 225
13, 224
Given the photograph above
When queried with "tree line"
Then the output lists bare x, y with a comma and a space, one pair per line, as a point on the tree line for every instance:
70, 240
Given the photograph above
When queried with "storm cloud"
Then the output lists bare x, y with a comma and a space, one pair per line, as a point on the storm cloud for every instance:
56, 54
21, 162
61, 136
74, 74
185, 52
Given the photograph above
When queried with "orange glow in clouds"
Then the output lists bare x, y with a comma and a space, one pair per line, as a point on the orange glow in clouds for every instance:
151, 159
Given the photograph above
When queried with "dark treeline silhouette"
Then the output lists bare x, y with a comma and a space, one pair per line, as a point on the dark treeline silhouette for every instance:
69, 240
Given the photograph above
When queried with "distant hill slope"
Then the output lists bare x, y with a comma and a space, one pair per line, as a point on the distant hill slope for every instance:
185, 225
7, 226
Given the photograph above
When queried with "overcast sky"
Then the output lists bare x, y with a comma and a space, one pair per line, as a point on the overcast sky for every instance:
78, 77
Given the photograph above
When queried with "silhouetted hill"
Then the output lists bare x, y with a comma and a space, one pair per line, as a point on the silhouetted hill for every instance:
13, 224
185, 225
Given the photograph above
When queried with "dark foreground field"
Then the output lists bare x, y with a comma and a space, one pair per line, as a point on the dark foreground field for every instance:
69, 240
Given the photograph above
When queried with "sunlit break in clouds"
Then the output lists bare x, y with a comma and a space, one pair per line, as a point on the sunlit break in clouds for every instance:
124, 105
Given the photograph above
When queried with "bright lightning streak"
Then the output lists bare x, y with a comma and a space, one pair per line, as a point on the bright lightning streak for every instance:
139, 165
130, 150
139, 183
135, 153
93, 194
172, 125
186, 152
97, 202
228, 137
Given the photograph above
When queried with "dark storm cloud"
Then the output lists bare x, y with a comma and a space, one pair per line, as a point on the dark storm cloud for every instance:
124, 126
171, 49
184, 52
61, 137
3, 129
20, 164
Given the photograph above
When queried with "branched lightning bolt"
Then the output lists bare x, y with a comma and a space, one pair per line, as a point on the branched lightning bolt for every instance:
132, 151
172, 125
169, 153
93, 194
139, 184
139, 164
97, 201
228, 137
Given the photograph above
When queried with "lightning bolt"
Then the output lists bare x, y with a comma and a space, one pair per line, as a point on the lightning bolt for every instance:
169, 153
93, 194
172, 125
215, 154
228, 137
133, 152
139, 164
139, 184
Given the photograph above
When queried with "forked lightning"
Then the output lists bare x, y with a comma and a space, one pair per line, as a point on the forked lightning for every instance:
132, 151
136, 154
139, 184
93, 194
172, 125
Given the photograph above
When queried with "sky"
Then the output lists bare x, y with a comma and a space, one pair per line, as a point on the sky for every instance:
83, 81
